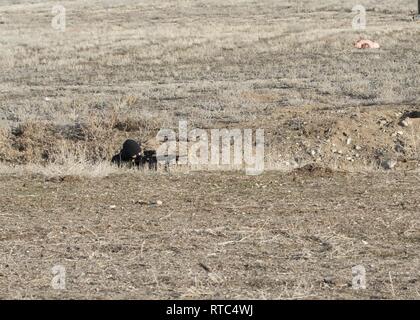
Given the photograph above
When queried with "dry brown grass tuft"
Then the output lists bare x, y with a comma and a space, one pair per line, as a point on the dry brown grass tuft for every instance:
64, 162
99, 135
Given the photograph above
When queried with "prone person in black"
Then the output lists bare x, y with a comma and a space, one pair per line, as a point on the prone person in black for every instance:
131, 155
129, 152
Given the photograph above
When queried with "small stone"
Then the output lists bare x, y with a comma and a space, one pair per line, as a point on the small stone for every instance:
405, 123
358, 147
329, 280
140, 202
399, 146
156, 203
348, 141
112, 207
388, 164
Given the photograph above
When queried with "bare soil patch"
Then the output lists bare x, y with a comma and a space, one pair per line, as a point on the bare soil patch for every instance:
271, 236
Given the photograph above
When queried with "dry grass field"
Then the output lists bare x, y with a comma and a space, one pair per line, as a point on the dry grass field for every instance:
331, 115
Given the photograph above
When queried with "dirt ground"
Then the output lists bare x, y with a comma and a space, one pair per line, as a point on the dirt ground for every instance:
126, 69
341, 182
201, 235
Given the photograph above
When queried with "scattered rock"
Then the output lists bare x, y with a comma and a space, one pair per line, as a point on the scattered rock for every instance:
296, 124
140, 202
313, 170
156, 203
404, 123
388, 164
399, 146
329, 280
113, 206
383, 122
148, 203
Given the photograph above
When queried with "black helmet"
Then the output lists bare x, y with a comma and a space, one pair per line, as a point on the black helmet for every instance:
130, 150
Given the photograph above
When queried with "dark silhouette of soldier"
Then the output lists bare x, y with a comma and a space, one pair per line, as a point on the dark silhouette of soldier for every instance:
128, 154
131, 155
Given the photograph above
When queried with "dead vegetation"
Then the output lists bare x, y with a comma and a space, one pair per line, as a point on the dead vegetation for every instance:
137, 69
342, 149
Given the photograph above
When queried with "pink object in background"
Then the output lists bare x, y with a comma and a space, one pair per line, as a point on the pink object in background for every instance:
366, 44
